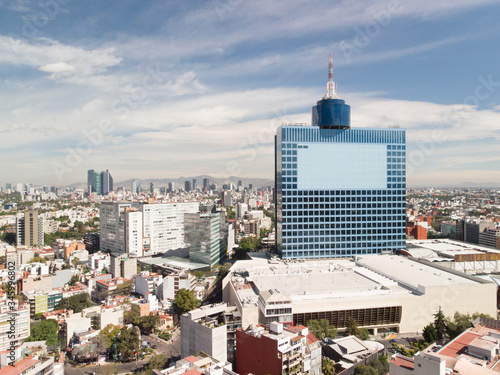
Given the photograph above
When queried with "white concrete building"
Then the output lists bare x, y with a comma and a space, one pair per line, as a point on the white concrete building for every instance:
379, 291
98, 261
171, 284
17, 324
241, 209
205, 329
147, 282
142, 229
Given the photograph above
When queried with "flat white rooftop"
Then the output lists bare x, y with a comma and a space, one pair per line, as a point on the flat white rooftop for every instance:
370, 277
449, 247
411, 273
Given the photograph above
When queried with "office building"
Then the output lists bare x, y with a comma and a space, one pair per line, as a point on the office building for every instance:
91, 241
135, 186
142, 229
490, 237
206, 184
340, 190
473, 228
99, 182
187, 186
152, 187
106, 182
206, 236
171, 187
29, 229
241, 209
226, 198
93, 182
194, 186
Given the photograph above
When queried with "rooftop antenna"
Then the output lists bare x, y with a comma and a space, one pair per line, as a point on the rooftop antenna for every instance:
331, 90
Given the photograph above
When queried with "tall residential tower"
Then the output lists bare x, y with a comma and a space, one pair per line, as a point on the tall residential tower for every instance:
340, 191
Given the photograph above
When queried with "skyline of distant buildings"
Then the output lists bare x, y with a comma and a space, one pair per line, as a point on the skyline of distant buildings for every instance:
99, 182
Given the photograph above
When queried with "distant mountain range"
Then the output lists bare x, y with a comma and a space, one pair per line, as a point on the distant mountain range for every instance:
463, 185
179, 182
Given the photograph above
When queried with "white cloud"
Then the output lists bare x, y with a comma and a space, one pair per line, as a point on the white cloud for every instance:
54, 57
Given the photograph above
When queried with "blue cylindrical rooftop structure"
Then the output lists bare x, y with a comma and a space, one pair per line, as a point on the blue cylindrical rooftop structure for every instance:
331, 114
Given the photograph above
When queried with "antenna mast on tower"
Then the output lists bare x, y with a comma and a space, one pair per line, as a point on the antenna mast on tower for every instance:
331, 90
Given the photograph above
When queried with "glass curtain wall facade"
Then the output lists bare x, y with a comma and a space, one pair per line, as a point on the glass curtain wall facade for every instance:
340, 192
206, 236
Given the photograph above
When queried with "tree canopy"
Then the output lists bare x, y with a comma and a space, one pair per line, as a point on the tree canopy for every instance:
440, 323
77, 303
128, 342
375, 367
322, 329
352, 327
147, 324
328, 366
37, 260
184, 301
106, 336
157, 362
46, 330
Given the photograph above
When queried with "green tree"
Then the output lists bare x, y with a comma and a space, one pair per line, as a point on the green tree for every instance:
198, 274
230, 213
352, 327
363, 334
148, 324
430, 333
131, 317
440, 323
124, 289
249, 244
269, 214
37, 260
77, 303
328, 366
157, 362
380, 365
322, 329
106, 336
184, 301
74, 279
76, 262
46, 330
128, 342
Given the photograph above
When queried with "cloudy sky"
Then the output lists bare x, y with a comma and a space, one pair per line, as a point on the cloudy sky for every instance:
163, 89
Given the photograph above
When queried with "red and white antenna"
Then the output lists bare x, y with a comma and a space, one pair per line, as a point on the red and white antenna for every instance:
331, 91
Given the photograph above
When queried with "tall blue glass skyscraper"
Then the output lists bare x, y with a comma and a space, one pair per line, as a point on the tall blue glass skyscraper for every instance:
340, 191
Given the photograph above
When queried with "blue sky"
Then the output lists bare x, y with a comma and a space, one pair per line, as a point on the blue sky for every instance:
163, 89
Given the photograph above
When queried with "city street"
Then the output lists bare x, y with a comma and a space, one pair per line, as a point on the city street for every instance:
168, 350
